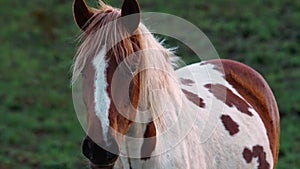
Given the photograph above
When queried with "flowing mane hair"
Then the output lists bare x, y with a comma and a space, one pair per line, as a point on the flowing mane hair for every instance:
159, 89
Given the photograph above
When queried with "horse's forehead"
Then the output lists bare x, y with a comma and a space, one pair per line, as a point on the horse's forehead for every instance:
94, 90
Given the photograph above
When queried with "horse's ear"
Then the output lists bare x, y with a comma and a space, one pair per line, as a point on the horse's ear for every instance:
131, 13
82, 13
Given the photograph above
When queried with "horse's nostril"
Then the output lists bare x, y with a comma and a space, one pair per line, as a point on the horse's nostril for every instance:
111, 156
86, 149
96, 154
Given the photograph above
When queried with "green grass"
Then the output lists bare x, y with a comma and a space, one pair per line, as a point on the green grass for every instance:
38, 125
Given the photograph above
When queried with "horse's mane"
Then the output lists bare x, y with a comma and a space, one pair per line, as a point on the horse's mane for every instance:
158, 84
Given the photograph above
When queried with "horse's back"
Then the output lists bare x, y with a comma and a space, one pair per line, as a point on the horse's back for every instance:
245, 87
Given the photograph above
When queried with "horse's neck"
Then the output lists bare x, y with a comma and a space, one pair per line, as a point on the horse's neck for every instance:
160, 100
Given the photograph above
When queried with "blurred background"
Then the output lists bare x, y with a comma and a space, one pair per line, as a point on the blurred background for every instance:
38, 124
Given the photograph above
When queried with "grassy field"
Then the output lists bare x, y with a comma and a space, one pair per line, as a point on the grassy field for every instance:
38, 125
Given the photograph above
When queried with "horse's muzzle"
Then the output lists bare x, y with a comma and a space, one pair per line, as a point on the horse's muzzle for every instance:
98, 156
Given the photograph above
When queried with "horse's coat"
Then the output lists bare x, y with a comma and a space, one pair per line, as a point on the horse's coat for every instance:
212, 115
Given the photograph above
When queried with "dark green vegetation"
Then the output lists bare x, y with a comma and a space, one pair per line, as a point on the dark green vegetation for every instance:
38, 125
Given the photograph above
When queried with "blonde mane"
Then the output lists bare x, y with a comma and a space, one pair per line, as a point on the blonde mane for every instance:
159, 89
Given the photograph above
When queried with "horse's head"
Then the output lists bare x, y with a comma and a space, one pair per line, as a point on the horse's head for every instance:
109, 37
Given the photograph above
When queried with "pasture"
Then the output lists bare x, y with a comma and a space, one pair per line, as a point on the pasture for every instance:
38, 124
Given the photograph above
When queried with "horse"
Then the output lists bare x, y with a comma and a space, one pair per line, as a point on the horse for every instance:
142, 113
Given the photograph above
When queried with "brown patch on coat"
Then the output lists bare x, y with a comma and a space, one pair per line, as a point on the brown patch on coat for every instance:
257, 152
257, 92
187, 82
194, 98
229, 98
150, 141
122, 50
117, 120
231, 126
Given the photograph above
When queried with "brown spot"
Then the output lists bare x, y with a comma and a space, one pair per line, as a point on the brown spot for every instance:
229, 98
187, 82
257, 152
117, 121
194, 98
256, 91
247, 154
148, 144
231, 126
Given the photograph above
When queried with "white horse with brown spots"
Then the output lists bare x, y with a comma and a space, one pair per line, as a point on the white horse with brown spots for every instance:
141, 113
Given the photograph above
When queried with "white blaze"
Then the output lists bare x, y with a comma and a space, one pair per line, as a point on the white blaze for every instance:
102, 100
